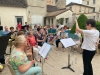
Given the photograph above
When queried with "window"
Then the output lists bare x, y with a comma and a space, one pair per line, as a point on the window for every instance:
67, 20
80, 9
94, 1
49, 21
85, 10
94, 9
88, 10
19, 19
87, 2
52, 20
44, 21
70, 8
93, 17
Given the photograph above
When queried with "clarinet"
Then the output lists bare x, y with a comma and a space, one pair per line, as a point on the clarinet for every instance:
32, 50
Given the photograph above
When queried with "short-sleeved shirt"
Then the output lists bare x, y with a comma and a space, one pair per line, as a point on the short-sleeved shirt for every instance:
90, 39
17, 59
32, 40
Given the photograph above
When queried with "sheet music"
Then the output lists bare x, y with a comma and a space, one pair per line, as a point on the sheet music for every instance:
67, 42
45, 50
42, 49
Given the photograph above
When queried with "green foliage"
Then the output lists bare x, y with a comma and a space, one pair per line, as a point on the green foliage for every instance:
61, 20
98, 25
81, 21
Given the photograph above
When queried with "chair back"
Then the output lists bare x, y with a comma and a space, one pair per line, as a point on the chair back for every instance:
9, 66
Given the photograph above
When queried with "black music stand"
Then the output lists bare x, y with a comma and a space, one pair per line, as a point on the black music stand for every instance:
3, 44
68, 43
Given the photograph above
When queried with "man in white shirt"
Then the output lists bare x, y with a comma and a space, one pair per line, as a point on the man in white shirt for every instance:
91, 36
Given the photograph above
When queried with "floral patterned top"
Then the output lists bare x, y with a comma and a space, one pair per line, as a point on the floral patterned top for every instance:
17, 59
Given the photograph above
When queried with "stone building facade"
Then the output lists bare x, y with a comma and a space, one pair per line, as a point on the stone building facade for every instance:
96, 9
36, 11
60, 4
93, 3
12, 12
50, 2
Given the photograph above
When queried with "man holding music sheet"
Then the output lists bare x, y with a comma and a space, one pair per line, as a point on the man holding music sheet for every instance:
91, 36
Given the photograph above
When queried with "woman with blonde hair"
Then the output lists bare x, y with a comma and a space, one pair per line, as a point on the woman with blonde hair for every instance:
19, 61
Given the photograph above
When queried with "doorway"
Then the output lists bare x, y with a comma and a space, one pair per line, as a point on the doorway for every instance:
19, 19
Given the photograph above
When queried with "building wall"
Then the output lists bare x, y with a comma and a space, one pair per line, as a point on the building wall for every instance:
50, 2
36, 11
89, 16
66, 15
8, 14
51, 21
80, 9
96, 5
61, 4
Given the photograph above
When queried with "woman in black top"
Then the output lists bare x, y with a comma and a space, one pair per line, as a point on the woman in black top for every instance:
40, 38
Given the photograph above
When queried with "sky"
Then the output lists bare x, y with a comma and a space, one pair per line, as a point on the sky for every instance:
77, 1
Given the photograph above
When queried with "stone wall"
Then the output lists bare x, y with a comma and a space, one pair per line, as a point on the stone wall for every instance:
61, 4
36, 11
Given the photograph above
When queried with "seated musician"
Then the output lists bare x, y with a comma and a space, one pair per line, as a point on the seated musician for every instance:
6, 31
77, 41
28, 49
32, 41
12, 33
11, 30
59, 37
79, 35
19, 61
40, 38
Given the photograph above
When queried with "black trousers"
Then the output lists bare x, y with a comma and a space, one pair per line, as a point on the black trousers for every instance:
87, 58
57, 43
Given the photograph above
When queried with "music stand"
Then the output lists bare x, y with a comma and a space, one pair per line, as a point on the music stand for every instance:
68, 43
44, 52
3, 44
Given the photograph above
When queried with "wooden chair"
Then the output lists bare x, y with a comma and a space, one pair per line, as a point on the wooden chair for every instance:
9, 66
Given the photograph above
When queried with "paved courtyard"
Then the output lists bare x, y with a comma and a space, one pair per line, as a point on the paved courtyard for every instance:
58, 59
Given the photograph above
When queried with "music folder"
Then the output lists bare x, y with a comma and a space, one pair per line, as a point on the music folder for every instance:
45, 50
